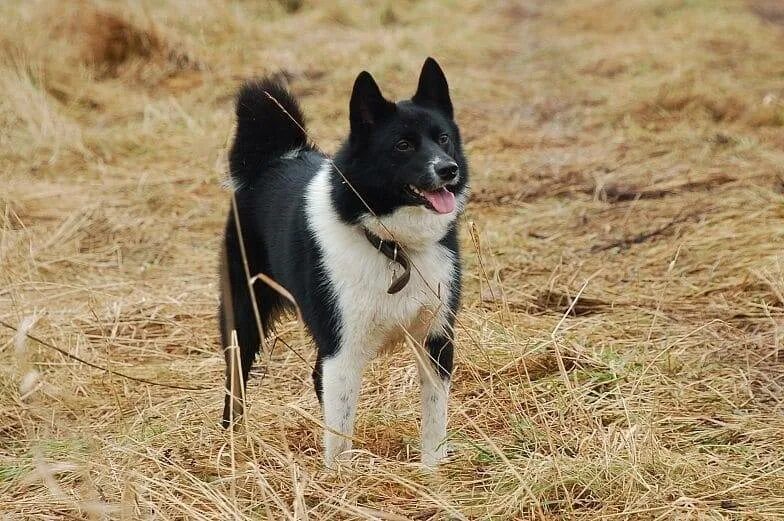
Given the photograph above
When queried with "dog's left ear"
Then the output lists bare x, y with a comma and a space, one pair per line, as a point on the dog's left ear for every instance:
433, 90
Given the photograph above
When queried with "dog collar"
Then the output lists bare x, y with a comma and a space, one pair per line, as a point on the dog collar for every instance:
395, 253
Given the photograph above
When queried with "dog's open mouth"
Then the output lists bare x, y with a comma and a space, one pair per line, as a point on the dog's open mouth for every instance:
440, 201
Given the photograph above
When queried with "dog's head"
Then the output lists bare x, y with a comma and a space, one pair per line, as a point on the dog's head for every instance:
405, 159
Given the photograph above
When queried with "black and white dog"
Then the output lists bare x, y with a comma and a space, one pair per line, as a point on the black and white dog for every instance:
366, 243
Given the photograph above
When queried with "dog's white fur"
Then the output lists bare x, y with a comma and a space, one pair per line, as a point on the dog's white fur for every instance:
371, 319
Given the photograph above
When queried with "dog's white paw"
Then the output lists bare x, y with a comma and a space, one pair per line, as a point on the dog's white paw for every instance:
431, 459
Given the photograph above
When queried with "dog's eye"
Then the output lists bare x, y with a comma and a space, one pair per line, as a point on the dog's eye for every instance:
403, 145
443, 139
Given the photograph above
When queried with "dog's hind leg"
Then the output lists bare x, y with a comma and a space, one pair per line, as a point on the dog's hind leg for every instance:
435, 369
236, 315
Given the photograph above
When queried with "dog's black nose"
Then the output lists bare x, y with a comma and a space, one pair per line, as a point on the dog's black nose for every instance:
446, 170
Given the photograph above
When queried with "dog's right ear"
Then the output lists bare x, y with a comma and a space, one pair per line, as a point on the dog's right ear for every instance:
368, 106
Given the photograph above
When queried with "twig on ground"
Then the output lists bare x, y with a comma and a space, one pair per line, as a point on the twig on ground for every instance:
641, 237
102, 368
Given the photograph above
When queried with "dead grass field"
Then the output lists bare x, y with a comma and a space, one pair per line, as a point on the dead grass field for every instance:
629, 152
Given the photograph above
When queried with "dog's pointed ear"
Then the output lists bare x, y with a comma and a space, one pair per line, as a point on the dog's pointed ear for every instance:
368, 106
433, 90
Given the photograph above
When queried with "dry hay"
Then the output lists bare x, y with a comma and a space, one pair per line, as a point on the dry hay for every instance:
620, 340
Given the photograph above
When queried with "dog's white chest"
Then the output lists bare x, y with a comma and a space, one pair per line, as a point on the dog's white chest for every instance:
371, 319
379, 320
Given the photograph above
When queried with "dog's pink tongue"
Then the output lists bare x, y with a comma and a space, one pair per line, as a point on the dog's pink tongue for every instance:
442, 200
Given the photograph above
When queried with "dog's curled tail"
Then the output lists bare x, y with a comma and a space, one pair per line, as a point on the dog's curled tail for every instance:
269, 125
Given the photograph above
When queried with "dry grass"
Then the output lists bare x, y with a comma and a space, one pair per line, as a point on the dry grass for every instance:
633, 150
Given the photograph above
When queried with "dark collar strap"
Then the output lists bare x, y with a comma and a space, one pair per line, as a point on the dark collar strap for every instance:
395, 253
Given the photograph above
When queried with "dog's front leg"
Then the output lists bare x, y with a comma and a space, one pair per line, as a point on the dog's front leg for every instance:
435, 369
341, 380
